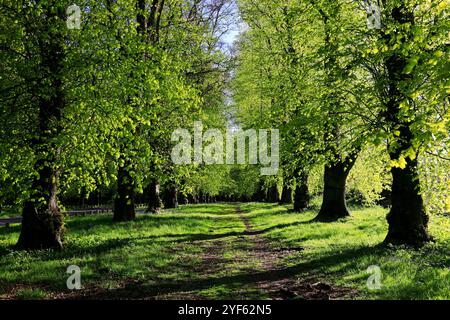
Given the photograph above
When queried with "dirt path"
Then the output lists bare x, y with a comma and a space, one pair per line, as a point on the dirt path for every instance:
259, 268
289, 287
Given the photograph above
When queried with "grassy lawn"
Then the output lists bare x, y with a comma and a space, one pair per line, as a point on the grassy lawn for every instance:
204, 252
152, 249
342, 252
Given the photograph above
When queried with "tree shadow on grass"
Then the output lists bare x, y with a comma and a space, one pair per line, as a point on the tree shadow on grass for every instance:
73, 250
281, 212
75, 225
6, 231
207, 281
279, 226
149, 220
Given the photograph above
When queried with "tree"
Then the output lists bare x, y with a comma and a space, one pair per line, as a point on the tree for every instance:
298, 73
38, 45
148, 27
341, 147
414, 95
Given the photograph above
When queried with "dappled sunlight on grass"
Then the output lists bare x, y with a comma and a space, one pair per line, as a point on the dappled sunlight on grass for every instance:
341, 252
165, 254
152, 247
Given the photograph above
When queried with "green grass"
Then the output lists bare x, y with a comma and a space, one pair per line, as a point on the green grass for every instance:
30, 294
8, 213
341, 252
153, 249
163, 256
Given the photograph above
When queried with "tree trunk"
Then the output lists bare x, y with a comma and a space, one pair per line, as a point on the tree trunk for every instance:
334, 206
202, 198
273, 195
171, 197
408, 220
301, 195
124, 206
192, 199
286, 195
42, 224
182, 199
259, 195
385, 199
154, 199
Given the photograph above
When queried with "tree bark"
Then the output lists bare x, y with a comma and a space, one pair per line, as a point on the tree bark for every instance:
202, 198
386, 199
182, 199
192, 198
259, 195
408, 220
334, 206
301, 195
124, 204
42, 224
